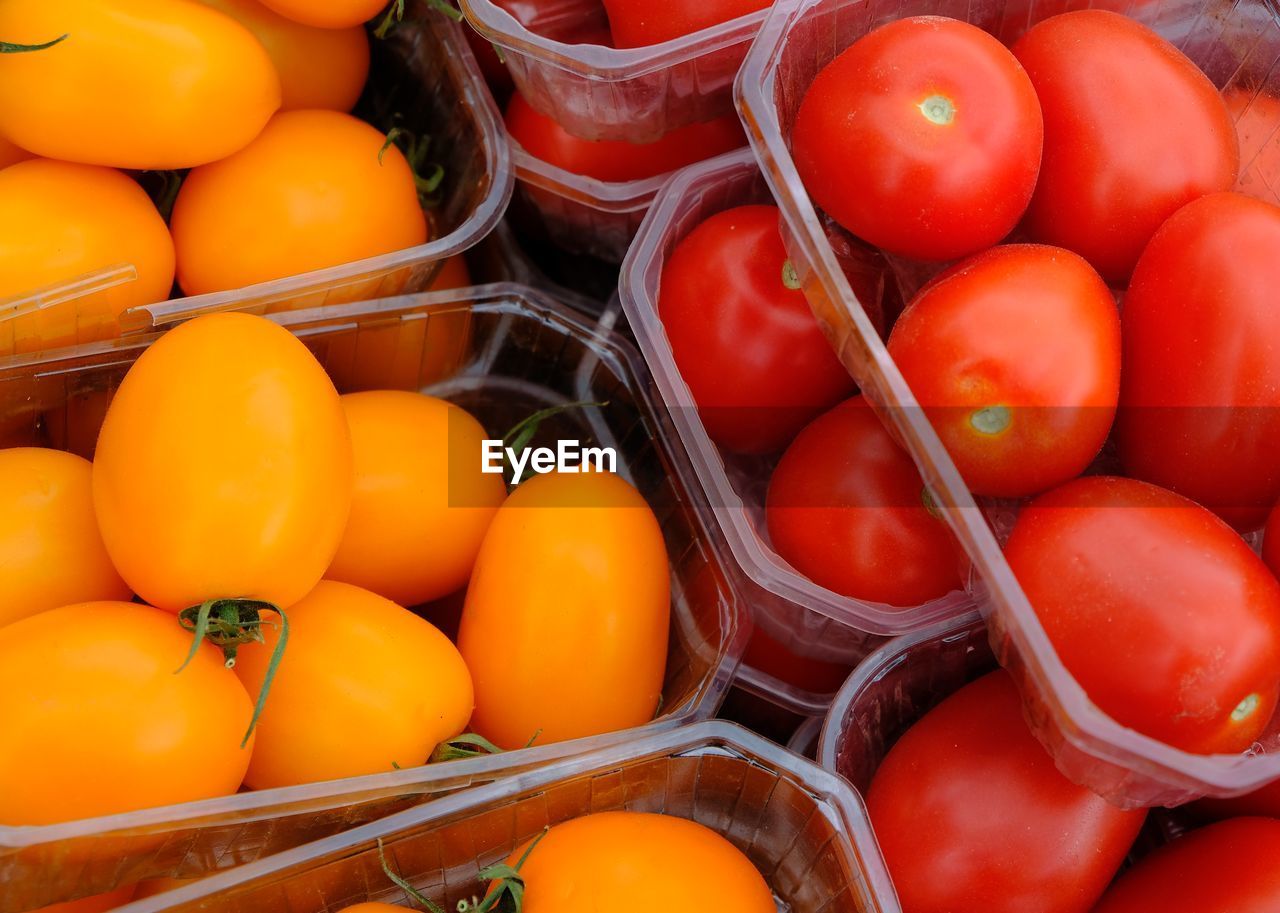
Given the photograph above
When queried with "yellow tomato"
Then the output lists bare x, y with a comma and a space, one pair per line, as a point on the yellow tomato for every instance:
223, 468
98, 903
421, 503
51, 553
319, 68
314, 190
96, 722
136, 84
566, 618
11, 154
332, 14
60, 222
364, 685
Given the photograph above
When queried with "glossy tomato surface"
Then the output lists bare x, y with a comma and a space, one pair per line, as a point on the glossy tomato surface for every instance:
1200, 404
1117, 98
846, 508
638, 23
747, 344
332, 14
1163, 614
922, 138
1014, 354
973, 816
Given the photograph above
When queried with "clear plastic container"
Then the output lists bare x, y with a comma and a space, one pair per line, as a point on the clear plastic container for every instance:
1237, 44
501, 351
426, 74
804, 741
597, 92
808, 620
804, 828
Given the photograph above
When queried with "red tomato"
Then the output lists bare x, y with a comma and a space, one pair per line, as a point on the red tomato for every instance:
613, 160
973, 817
846, 508
922, 138
1132, 131
1200, 403
747, 345
1015, 356
1162, 613
1264, 802
804, 672
1271, 545
638, 23
1224, 868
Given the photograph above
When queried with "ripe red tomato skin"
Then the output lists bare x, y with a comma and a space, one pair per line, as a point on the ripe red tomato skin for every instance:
1119, 573
1109, 88
1224, 868
640, 23
895, 178
614, 160
749, 348
1200, 398
973, 817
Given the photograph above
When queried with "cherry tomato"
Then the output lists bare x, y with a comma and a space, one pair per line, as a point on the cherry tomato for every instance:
98, 903
1200, 402
1224, 868
1165, 617
922, 138
355, 665
614, 160
224, 466
1271, 545
571, 587
1116, 98
96, 721
846, 508
813, 675
418, 482
332, 14
639, 23
61, 222
318, 68
633, 862
50, 547
316, 189
973, 817
1015, 356
11, 154
149, 84
745, 342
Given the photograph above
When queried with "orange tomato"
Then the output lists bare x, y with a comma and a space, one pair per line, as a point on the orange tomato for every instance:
153, 886
566, 619
633, 862
364, 685
453, 274
61, 222
314, 190
319, 68
371, 907
144, 84
98, 903
96, 722
223, 468
332, 14
421, 503
11, 154
50, 548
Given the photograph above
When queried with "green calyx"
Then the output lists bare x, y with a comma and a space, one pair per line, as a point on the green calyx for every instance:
507, 895
7, 47
938, 109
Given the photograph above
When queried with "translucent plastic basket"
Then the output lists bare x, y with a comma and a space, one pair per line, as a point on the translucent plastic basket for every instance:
803, 828
596, 92
1238, 46
807, 619
501, 351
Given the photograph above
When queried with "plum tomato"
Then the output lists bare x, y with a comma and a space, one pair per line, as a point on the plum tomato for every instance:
615, 160
746, 343
973, 817
223, 468
922, 138
332, 14
89, 697
148, 84
566, 619
50, 547
640, 23
1014, 355
418, 484
1224, 868
1200, 394
355, 665
1162, 613
315, 189
847, 508
1117, 98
